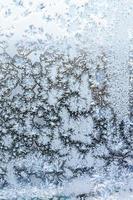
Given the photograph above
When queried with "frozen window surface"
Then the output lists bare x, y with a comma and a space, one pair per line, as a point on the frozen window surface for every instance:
66, 99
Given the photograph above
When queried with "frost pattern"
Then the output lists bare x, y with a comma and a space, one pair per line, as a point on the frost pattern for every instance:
66, 100
57, 126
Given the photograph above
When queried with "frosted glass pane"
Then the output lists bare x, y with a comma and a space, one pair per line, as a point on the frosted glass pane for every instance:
66, 99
